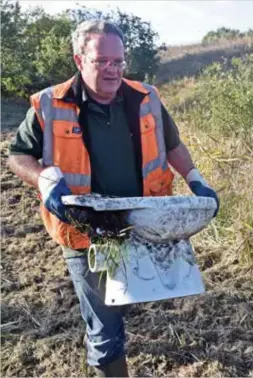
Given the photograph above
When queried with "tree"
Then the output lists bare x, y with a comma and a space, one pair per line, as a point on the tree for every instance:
140, 39
50, 41
224, 33
14, 65
37, 51
141, 48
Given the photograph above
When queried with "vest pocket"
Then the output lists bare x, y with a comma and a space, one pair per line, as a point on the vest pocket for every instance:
147, 123
162, 186
68, 147
148, 139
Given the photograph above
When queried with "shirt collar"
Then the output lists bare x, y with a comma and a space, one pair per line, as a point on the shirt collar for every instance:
77, 92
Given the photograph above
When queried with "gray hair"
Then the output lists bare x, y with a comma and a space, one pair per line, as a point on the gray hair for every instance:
81, 35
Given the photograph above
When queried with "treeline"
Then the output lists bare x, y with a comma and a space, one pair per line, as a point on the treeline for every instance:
226, 33
37, 51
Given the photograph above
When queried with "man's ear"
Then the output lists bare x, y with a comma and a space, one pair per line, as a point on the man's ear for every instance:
78, 61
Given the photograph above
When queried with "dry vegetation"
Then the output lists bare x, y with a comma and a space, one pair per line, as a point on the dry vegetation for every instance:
207, 335
190, 60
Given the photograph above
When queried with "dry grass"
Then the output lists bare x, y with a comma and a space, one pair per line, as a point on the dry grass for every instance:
207, 335
175, 52
188, 61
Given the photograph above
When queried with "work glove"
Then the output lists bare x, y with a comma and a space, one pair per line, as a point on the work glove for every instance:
52, 186
200, 188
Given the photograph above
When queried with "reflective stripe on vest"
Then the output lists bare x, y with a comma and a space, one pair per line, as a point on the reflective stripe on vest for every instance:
153, 106
49, 113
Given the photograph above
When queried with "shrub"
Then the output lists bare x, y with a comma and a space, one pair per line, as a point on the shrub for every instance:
224, 99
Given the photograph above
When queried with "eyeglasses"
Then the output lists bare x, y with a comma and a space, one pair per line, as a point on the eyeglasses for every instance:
103, 63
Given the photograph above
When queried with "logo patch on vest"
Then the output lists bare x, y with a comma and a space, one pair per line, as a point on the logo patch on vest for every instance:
76, 130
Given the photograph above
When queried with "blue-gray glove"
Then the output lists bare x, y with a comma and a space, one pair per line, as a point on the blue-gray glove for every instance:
200, 188
52, 186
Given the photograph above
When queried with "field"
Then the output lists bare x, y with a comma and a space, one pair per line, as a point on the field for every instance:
200, 336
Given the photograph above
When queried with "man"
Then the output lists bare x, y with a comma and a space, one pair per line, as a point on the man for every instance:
98, 132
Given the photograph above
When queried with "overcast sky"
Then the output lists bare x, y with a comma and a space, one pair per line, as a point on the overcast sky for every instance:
177, 22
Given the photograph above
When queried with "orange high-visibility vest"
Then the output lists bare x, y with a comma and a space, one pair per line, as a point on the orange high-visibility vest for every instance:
65, 148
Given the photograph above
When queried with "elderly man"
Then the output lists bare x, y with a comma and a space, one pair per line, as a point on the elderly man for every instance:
98, 132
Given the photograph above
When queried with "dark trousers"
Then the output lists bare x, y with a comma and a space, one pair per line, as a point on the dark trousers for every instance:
105, 335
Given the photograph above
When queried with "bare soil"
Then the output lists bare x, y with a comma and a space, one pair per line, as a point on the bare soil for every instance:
42, 330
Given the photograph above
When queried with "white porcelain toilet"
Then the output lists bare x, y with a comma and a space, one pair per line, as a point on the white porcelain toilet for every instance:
157, 260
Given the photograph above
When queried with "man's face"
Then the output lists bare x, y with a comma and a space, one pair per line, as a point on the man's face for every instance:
96, 64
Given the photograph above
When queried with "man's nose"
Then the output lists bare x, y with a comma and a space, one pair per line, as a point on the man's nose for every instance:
111, 67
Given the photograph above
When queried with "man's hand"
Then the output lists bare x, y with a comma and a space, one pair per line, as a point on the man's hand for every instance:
52, 186
200, 188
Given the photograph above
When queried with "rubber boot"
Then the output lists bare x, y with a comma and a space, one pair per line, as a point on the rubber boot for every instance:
117, 368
